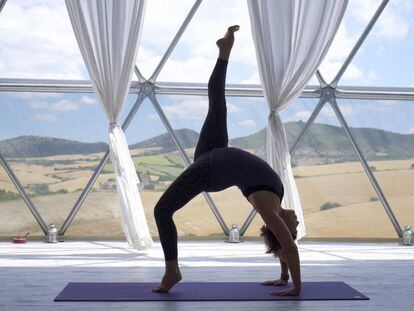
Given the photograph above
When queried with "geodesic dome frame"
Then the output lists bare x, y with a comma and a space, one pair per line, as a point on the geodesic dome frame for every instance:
328, 93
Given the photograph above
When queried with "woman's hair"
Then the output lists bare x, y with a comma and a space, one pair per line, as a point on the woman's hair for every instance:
272, 243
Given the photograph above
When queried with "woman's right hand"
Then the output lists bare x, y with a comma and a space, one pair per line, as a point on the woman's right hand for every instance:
278, 282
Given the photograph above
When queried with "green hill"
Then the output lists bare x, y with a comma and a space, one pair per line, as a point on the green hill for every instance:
39, 146
323, 144
187, 138
330, 142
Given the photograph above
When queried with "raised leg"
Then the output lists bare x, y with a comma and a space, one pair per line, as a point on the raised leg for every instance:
214, 131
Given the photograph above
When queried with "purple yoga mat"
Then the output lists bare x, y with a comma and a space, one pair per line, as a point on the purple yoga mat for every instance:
199, 291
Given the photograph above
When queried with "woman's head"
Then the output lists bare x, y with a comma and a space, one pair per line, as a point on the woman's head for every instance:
271, 241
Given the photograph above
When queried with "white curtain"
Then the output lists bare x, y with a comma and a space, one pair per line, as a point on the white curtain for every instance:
291, 39
108, 34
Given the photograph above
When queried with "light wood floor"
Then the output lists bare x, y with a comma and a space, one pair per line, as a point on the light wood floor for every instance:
33, 274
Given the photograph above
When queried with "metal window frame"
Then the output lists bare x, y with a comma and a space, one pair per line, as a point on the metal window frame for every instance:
150, 88
329, 94
2, 4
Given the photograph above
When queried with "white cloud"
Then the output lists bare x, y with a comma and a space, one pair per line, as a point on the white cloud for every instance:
233, 107
45, 117
392, 25
87, 100
253, 79
247, 123
193, 69
33, 95
411, 130
347, 110
39, 105
382, 105
205, 30
302, 115
394, 21
194, 109
198, 42
339, 50
191, 108
65, 105
147, 60
327, 112
37, 41
171, 13
153, 116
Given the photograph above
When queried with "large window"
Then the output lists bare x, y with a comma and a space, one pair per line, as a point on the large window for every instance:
54, 142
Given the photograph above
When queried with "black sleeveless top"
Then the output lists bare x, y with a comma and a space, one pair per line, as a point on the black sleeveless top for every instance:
235, 167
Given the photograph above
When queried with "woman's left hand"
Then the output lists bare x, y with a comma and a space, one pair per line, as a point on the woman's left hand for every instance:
286, 292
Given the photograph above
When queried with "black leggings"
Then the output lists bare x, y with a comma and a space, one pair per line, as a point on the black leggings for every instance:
195, 179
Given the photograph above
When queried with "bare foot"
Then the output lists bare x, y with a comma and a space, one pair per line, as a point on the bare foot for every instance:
226, 43
168, 281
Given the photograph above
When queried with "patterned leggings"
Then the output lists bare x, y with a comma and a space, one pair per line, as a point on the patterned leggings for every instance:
195, 179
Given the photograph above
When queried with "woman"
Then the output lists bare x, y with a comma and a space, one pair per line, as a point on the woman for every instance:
217, 167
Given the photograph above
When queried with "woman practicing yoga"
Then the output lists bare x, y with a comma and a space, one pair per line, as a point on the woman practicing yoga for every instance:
217, 167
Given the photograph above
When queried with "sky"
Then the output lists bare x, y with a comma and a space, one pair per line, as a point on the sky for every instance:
37, 41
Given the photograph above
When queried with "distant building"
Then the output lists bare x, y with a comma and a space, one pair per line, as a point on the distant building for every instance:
160, 186
144, 178
109, 185
145, 183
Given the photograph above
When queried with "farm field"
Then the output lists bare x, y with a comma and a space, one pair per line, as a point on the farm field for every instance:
351, 207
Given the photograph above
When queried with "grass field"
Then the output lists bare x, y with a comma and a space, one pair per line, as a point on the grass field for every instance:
359, 213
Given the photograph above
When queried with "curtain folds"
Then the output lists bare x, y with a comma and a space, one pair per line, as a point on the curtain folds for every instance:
108, 34
291, 38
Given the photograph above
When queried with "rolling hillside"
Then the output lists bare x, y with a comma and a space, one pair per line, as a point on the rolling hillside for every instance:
327, 141
188, 139
39, 146
322, 142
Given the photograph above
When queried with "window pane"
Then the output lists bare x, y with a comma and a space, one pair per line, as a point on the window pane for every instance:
385, 58
337, 197
246, 118
53, 142
37, 41
387, 140
158, 164
356, 18
161, 23
15, 217
196, 52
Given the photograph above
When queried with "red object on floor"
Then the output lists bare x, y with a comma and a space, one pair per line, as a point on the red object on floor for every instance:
20, 239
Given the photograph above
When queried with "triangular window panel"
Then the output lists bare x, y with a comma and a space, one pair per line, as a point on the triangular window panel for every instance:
356, 18
336, 194
246, 121
294, 118
37, 41
158, 164
385, 58
54, 143
15, 217
194, 57
99, 215
385, 134
161, 23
